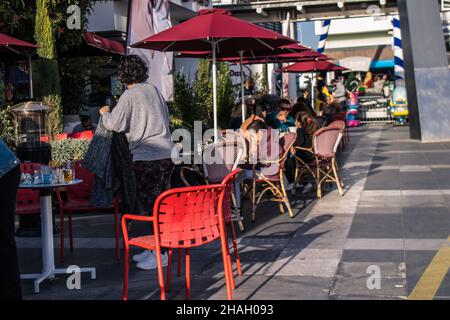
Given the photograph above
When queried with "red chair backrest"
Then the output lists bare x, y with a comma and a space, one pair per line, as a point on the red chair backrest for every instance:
87, 134
82, 191
29, 167
62, 136
27, 196
188, 217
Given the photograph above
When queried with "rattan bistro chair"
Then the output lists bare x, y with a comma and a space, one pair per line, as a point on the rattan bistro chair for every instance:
323, 167
273, 182
342, 126
219, 160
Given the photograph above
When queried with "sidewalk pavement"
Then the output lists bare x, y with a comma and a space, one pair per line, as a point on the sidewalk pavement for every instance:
386, 238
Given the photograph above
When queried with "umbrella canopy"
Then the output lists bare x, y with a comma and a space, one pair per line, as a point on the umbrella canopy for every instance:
8, 44
217, 31
282, 58
313, 66
215, 25
247, 54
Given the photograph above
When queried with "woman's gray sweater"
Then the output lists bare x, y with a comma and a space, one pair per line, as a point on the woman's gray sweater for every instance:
142, 114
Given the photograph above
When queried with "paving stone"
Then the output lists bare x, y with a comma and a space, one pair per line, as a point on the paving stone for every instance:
376, 226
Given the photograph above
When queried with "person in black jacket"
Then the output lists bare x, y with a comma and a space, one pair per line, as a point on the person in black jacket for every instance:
10, 288
306, 127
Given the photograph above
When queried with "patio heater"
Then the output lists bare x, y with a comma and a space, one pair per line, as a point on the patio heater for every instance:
31, 119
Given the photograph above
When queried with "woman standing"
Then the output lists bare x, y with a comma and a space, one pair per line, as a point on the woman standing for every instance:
142, 114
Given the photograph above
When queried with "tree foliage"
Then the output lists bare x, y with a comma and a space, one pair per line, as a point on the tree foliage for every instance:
17, 18
194, 101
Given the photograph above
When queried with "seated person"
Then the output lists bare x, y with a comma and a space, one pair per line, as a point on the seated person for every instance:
303, 104
281, 120
330, 109
236, 115
84, 125
306, 127
260, 149
259, 113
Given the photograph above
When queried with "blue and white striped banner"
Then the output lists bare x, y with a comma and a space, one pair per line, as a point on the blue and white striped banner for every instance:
323, 35
399, 68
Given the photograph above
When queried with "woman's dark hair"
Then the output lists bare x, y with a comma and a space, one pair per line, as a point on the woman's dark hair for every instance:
307, 122
259, 108
284, 104
132, 69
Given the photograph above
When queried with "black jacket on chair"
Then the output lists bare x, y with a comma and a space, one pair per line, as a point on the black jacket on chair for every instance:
109, 158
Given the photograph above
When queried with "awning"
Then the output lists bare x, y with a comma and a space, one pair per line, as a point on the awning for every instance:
95, 45
101, 43
382, 64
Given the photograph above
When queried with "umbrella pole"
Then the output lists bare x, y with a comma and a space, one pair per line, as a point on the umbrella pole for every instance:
312, 92
214, 74
30, 70
241, 53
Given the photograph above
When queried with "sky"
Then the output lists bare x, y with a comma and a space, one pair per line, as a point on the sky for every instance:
306, 34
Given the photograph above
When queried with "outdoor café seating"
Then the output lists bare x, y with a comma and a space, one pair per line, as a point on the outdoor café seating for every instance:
323, 167
273, 182
220, 159
78, 201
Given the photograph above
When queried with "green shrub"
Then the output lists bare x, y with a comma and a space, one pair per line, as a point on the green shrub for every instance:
8, 127
69, 150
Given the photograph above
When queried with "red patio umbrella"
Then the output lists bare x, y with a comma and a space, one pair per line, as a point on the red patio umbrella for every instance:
313, 66
9, 44
217, 31
228, 56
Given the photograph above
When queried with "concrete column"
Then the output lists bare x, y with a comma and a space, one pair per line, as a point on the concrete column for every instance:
427, 74
289, 80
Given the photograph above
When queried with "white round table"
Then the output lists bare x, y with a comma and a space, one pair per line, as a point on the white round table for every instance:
48, 258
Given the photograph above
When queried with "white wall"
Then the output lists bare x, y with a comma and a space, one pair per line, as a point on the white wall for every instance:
357, 25
358, 32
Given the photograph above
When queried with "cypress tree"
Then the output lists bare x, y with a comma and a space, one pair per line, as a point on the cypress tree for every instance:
48, 66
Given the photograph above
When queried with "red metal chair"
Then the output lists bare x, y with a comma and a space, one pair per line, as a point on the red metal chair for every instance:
60, 136
78, 201
27, 200
87, 134
183, 218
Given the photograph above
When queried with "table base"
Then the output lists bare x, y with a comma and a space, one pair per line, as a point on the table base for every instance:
41, 277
